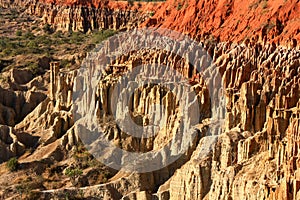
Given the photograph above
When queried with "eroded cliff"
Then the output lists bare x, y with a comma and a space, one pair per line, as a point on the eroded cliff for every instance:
254, 155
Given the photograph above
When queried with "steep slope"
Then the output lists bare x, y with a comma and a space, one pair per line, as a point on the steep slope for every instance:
254, 155
219, 20
231, 20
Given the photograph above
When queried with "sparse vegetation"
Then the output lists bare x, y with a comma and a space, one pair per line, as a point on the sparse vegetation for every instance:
25, 46
253, 5
268, 26
32, 44
29, 36
26, 187
18, 33
151, 13
77, 37
12, 164
33, 67
264, 4
65, 63
99, 36
179, 6
47, 29
73, 173
186, 4
130, 2
13, 14
48, 45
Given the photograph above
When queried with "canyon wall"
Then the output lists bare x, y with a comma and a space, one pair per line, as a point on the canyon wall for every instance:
236, 21
230, 20
77, 17
254, 155
256, 158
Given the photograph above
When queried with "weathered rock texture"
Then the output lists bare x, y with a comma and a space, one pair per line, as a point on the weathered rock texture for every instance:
217, 20
231, 20
255, 155
77, 17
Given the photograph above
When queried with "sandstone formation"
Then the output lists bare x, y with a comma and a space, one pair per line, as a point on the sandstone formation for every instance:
252, 154
216, 20
231, 20
254, 157
81, 18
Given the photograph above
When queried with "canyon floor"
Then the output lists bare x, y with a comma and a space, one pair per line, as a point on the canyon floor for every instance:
224, 90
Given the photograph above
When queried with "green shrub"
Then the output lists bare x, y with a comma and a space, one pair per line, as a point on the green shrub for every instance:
77, 38
32, 44
58, 34
34, 68
47, 28
12, 164
179, 6
73, 173
7, 52
18, 33
99, 36
65, 63
29, 35
151, 13
43, 39
13, 14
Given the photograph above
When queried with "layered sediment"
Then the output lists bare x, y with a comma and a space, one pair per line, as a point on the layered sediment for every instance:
253, 154
254, 157
78, 17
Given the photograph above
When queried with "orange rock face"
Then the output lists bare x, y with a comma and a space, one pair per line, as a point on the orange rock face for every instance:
254, 155
220, 20
276, 20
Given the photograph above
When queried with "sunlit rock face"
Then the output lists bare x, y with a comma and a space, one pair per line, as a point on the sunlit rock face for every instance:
256, 156
255, 151
81, 18
253, 154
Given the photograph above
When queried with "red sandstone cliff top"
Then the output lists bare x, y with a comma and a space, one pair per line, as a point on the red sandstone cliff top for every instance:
235, 20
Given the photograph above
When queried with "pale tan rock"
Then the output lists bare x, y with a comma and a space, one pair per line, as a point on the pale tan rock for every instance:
255, 156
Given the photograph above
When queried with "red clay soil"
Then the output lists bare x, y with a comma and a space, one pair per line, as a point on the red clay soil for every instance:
277, 20
225, 20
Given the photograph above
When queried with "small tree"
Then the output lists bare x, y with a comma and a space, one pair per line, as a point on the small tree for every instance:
73, 174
